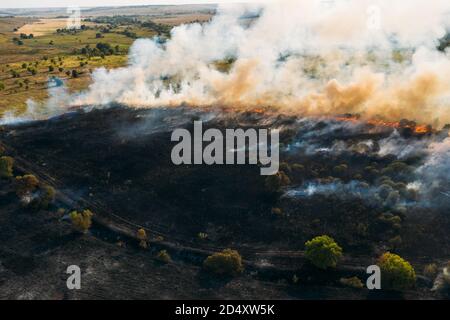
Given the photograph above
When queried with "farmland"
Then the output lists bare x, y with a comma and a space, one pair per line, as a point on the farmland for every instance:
35, 49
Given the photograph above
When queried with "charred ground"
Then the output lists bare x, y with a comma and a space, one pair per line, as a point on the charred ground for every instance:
116, 161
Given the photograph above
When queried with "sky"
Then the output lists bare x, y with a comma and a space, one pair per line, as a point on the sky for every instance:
90, 3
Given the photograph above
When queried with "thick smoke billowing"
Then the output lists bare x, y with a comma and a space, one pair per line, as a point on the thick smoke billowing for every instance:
378, 59
375, 58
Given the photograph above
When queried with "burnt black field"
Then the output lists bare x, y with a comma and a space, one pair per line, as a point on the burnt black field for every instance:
116, 161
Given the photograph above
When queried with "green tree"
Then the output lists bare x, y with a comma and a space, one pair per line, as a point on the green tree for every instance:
81, 221
46, 196
275, 182
163, 256
6, 167
323, 252
396, 273
25, 184
142, 236
225, 263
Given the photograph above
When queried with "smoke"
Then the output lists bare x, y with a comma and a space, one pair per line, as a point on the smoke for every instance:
383, 195
375, 58
403, 148
433, 175
57, 103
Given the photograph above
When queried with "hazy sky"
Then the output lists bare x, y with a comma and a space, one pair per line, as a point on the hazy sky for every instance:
91, 3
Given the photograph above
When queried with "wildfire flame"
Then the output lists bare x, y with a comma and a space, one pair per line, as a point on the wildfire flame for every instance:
404, 124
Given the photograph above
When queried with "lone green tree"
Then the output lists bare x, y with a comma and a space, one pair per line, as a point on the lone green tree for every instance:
396, 273
323, 252
81, 221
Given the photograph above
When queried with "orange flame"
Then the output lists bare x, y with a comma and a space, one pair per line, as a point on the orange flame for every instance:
417, 129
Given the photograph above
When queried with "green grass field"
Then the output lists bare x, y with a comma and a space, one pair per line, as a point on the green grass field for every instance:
54, 54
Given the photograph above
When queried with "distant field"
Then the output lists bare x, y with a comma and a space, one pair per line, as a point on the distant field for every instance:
27, 62
181, 19
149, 10
44, 26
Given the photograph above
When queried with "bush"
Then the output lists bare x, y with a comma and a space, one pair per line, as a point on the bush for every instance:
163, 256
340, 169
277, 212
202, 236
275, 182
353, 282
25, 184
6, 167
431, 271
81, 221
46, 197
142, 236
396, 273
323, 252
225, 263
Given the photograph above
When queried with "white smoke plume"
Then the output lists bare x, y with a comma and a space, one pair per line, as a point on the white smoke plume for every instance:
308, 57
434, 173
403, 148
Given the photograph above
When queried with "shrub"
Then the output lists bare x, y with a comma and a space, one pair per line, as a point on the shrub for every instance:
46, 196
51, 68
6, 167
395, 242
275, 182
225, 263
202, 236
277, 212
446, 273
74, 74
431, 271
163, 256
25, 184
353, 282
390, 220
2, 86
81, 221
142, 236
323, 252
340, 169
396, 273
